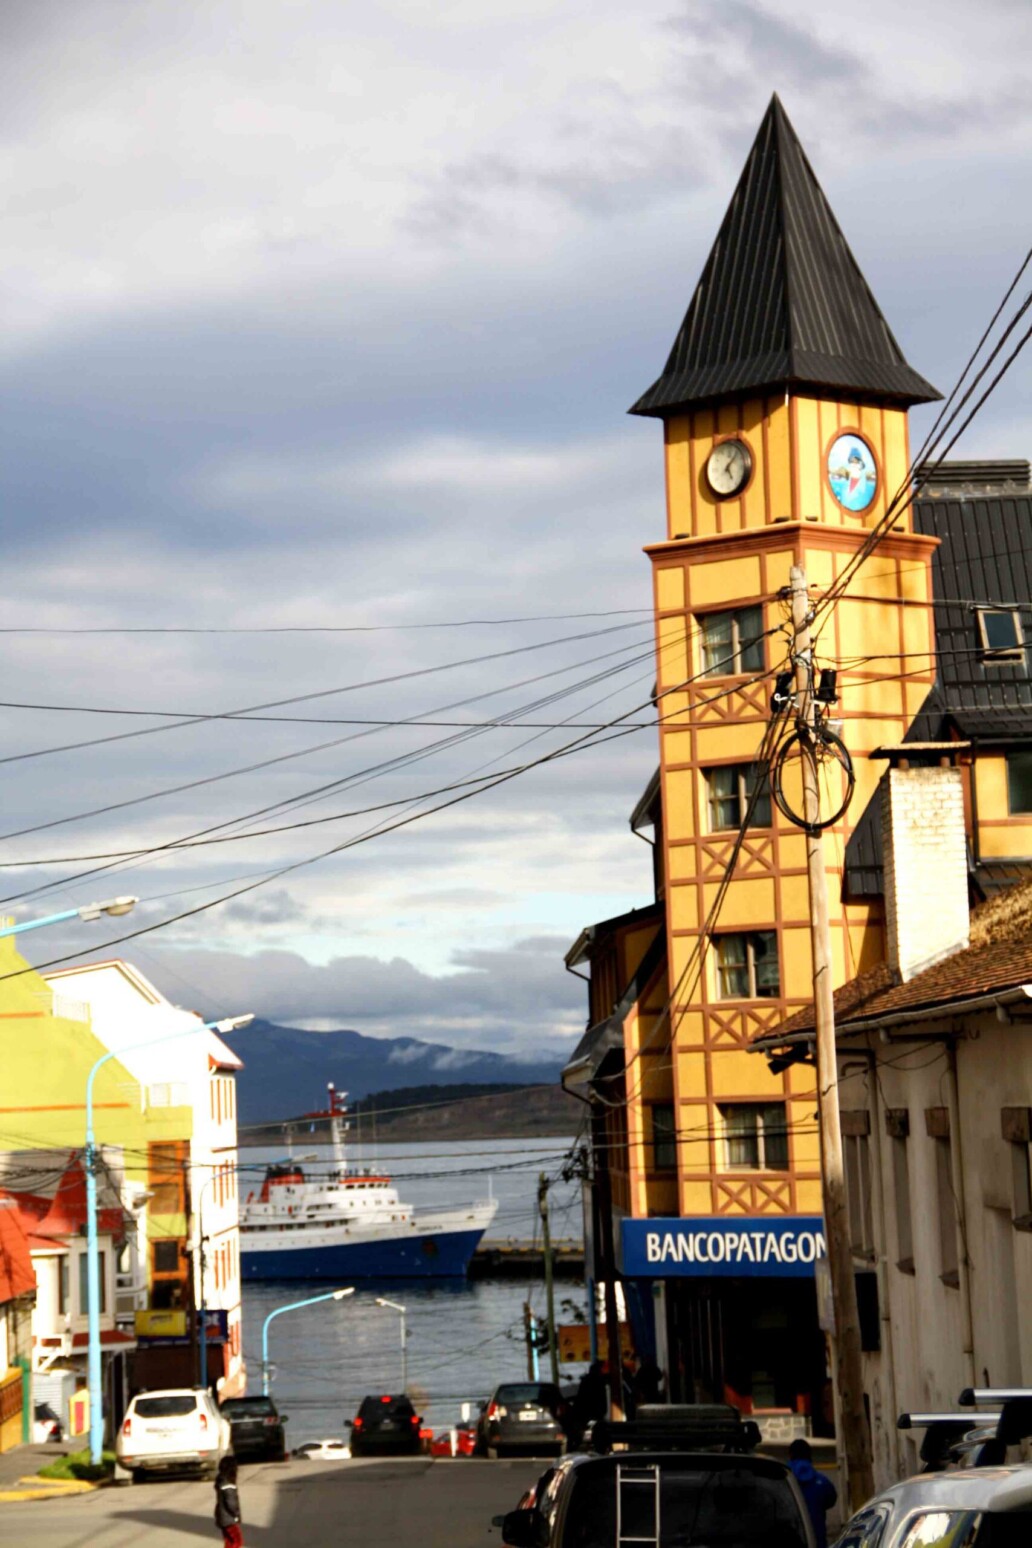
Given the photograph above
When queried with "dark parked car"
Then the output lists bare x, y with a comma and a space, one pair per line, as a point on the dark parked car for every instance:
523, 1416
387, 1423
668, 1499
257, 1427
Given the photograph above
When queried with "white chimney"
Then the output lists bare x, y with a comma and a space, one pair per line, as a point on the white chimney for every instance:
926, 872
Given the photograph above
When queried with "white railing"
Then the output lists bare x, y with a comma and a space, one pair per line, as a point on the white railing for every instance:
169, 1093
56, 1004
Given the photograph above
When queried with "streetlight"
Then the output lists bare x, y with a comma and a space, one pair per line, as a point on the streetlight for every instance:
89, 912
393, 1306
226, 1024
313, 1300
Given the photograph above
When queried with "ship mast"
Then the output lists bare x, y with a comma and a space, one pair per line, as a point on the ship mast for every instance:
336, 1108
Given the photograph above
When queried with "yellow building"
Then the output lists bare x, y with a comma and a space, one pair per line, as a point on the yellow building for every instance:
784, 407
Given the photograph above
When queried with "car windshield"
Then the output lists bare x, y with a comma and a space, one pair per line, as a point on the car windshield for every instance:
171, 1406
725, 1508
240, 1408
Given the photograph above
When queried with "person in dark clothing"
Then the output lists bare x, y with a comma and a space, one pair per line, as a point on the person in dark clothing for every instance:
590, 1403
648, 1382
227, 1504
817, 1489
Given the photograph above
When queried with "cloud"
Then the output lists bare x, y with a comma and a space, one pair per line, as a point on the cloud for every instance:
329, 316
506, 999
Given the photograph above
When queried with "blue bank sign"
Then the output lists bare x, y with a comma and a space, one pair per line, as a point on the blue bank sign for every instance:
786, 1246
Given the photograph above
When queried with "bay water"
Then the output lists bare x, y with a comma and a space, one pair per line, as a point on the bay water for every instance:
462, 1336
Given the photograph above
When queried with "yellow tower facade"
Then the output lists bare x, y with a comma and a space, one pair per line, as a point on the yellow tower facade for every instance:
784, 406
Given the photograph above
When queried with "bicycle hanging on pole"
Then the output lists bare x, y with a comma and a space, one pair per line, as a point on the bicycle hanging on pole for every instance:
812, 754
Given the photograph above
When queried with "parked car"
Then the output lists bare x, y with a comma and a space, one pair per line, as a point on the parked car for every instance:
384, 1424
522, 1416
323, 1451
976, 1507
667, 1499
176, 1430
256, 1426
459, 1441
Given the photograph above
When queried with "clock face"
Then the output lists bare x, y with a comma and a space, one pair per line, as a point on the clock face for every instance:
728, 468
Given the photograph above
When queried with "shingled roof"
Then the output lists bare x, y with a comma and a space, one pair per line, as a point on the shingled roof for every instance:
999, 958
782, 302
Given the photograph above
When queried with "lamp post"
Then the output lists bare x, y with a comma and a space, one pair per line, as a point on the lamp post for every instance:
226, 1025
313, 1300
89, 912
393, 1306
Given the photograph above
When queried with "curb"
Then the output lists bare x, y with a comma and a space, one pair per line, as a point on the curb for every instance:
36, 1488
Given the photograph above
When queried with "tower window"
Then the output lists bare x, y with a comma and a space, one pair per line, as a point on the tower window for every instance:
730, 790
755, 1136
732, 642
999, 630
747, 966
1019, 782
664, 1137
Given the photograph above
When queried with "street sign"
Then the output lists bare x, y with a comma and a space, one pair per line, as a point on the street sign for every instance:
728, 1246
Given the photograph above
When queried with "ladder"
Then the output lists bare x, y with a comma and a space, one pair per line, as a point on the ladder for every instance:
630, 1484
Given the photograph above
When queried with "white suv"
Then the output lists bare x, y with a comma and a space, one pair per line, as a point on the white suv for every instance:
168, 1431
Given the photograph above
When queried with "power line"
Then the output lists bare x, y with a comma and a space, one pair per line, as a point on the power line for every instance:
586, 739
323, 693
393, 628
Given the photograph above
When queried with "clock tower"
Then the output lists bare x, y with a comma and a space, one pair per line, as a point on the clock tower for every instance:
784, 407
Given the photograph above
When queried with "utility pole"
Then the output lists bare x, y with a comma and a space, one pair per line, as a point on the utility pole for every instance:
856, 1440
546, 1240
614, 1354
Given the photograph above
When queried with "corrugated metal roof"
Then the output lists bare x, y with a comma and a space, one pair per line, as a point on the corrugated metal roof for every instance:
984, 558
782, 302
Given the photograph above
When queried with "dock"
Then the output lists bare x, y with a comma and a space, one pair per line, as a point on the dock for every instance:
513, 1258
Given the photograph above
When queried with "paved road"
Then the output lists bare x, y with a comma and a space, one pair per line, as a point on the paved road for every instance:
371, 1504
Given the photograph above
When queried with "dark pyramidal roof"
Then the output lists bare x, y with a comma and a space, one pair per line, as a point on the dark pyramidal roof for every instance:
782, 302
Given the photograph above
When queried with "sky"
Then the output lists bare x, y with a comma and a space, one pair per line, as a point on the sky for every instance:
326, 316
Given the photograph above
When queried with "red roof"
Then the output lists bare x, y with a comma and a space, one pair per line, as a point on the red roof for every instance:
48, 1220
17, 1276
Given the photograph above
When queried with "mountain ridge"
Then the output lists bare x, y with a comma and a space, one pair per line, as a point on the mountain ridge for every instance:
286, 1069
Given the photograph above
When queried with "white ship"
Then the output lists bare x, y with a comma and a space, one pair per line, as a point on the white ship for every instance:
341, 1225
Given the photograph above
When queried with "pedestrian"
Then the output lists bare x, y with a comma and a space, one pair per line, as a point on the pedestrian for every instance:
648, 1382
817, 1489
590, 1403
227, 1504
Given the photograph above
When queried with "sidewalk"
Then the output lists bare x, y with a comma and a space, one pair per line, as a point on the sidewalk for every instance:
24, 1462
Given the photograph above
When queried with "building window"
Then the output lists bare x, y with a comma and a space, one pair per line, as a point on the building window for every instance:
747, 966
937, 1123
999, 631
732, 643
755, 1136
64, 1286
1016, 1125
664, 1137
84, 1294
1019, 783
730, 791
856, 1140
166, 1257
897, 1126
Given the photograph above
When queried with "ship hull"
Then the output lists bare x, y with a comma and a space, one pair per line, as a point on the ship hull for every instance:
439, 1255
